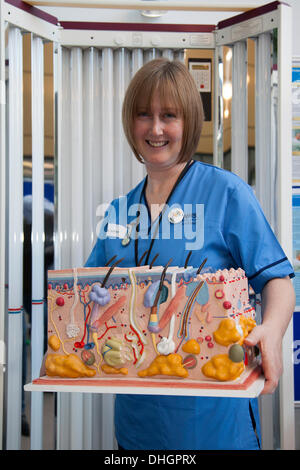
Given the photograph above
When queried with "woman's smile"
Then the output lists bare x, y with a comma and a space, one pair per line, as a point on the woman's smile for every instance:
157, 144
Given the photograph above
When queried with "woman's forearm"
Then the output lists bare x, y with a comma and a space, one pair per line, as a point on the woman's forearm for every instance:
278, 303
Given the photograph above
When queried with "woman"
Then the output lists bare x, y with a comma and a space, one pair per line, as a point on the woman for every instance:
184, 206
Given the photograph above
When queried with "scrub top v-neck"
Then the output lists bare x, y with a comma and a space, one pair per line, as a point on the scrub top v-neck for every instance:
153, 226
224, 223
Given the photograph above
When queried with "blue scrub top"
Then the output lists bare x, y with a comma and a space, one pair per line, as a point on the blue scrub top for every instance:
224, 223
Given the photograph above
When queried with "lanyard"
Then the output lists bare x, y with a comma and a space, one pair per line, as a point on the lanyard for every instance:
136, 241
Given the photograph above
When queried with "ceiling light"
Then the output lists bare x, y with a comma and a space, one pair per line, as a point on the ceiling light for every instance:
152, 13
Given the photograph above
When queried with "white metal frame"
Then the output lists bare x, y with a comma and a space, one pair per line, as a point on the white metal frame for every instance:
239, 111
143, 39
139, 5
2, 215
263, 160
15, 240
265, 180
284, 181
37, 312
77, 409
30, 23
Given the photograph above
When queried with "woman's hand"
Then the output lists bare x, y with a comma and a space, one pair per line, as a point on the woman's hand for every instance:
278, 302
271, 355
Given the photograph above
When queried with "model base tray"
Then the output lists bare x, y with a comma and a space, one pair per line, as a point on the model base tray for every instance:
250, 387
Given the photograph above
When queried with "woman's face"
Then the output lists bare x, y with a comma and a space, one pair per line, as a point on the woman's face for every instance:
158, 133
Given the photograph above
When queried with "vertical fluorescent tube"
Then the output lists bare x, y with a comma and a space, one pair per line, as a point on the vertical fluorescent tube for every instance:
122, 152
76, 418
89, 137
264, 185
274, 146
137, 168
15, 248
137, 60
168, 54
127, 180
76, 421
90, 91
77, 157
239, 148
37, 315
108, 193
108, 167
2, 214
218, 108
62, 206
287, 411
97, 139
179, 55
64, 161
150, 54
119, 89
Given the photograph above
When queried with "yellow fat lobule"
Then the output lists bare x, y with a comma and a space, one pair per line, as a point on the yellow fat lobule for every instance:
54, 342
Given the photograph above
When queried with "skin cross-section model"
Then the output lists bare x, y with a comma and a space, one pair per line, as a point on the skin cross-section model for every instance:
161, 323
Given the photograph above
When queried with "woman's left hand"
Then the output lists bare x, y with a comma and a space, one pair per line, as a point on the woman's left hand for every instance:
278, 302
271, 355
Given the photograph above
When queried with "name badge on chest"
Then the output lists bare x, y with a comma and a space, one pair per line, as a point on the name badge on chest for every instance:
116, 231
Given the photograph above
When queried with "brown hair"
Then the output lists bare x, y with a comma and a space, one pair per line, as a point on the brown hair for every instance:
174, 83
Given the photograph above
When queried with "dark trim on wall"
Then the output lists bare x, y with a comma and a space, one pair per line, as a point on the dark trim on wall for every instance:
177, 28
250, 14
33, 11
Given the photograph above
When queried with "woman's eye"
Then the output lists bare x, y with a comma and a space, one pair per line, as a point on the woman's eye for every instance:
142, 114
170, 115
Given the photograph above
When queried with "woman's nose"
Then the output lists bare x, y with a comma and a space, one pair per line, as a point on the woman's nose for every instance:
157, 126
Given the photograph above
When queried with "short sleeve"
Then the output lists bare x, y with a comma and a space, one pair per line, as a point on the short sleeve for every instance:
251, 241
